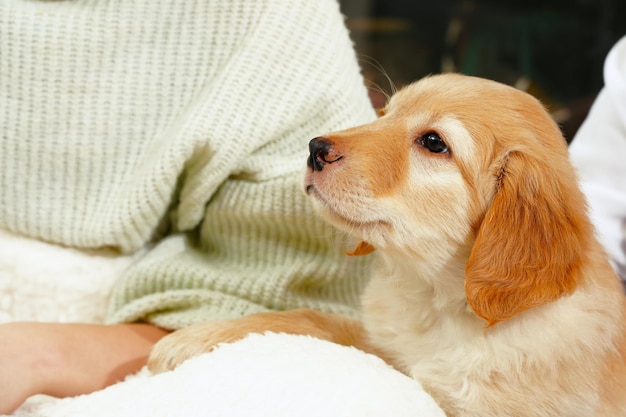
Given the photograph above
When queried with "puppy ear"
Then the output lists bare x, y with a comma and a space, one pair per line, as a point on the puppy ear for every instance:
362, 248
529, 247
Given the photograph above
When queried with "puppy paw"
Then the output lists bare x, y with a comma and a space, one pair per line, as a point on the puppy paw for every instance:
194, 340
186, 343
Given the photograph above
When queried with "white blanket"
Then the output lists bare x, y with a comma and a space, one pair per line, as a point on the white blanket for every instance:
263, 375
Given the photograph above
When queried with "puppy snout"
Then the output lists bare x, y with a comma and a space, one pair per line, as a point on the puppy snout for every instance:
321, 153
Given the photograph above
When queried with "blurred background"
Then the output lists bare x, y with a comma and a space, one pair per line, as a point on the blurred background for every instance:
554, 49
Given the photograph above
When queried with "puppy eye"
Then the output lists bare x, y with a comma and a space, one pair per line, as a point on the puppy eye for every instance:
433, 143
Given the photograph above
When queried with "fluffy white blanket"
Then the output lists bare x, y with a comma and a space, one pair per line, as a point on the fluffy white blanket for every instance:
263, 375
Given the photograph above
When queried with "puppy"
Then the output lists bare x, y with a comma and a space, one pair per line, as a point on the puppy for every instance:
490, 288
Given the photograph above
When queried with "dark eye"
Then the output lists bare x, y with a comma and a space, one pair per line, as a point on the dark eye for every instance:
433, 143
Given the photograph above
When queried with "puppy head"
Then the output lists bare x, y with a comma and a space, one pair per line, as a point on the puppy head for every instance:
461, 172
394, 182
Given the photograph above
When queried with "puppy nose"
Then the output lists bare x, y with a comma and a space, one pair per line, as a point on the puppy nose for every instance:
321, 153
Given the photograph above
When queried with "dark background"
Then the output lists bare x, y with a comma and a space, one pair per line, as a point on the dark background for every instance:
553, 49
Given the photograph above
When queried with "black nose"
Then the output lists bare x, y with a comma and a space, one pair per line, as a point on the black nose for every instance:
319, 150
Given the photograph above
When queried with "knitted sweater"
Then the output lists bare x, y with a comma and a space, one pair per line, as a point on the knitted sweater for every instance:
181, 126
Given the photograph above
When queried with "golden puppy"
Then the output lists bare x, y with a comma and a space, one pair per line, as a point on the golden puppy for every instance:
490, 287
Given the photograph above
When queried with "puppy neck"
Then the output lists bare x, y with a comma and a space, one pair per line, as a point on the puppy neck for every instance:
436, 281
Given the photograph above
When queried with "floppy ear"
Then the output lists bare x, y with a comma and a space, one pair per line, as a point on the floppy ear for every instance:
362, 248
529, 247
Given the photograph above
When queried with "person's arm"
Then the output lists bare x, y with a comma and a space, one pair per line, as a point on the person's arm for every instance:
597, 151
68, 359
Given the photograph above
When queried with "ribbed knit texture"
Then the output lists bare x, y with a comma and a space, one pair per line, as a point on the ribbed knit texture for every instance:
117, 116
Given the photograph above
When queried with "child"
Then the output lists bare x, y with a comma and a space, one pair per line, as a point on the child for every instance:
179, 129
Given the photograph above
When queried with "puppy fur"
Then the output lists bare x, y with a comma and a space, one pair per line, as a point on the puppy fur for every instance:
489, 287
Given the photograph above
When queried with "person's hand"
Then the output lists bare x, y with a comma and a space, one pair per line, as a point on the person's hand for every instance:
68, 359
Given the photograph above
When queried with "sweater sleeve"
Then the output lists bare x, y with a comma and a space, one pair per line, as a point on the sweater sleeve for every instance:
599, 153
244, 237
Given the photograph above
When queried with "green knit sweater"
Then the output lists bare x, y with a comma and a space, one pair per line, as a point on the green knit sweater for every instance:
181, 127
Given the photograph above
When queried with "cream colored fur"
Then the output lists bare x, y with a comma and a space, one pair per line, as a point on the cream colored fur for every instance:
490, 287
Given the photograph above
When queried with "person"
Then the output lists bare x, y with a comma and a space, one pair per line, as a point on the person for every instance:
598, 151
177, 130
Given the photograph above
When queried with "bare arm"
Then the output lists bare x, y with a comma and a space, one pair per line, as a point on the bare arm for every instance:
68, 359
